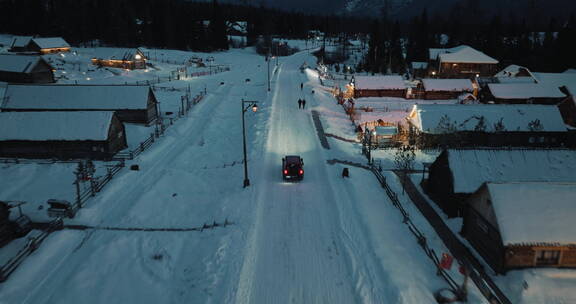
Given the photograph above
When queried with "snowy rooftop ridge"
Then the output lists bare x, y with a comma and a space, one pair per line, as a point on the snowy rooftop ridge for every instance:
83, 97
388, 82
460, 54
516, 118
471, 168
524, 90
467, 55
458, 85
21, 41
46, 126
51, 42
18, 63
544, 215
117, 53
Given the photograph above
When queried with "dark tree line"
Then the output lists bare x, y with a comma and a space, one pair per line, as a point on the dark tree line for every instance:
174, 24
511, 39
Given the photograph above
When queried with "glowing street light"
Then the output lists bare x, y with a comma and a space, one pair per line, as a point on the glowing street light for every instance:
254, 105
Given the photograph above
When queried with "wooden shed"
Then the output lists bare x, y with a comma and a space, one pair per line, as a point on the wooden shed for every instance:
523, 93
25, 69
61, 135
444, 89
379, 86
532, 232
49, 45
135, 104
460, 62
124, 58
456, 174
480, 125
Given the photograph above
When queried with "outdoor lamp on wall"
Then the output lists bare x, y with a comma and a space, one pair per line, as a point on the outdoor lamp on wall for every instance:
254, 108
138, 57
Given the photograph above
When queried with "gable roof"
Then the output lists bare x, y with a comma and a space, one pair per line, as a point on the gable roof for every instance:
434, 52
524, 90
388, 82
75, 97
419, 65
545, 214
20, 41
458, 85
51, 42
427, 117
466, 55
18, 63
471, 168
44, 126
116, 53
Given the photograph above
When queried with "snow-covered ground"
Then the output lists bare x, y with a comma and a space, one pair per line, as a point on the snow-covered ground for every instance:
323, 240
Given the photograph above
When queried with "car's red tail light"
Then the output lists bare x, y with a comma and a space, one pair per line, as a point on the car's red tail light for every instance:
301, 172
285, 172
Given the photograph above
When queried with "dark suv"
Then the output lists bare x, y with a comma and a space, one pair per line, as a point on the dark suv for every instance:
292, 167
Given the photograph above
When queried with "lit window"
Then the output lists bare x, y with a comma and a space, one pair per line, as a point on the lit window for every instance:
547, 257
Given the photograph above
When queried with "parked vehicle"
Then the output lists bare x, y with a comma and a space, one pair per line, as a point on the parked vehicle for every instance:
61, 208
292, 167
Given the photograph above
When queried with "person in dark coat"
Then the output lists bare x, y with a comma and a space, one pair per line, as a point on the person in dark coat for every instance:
301, 86
303, 103
299, 103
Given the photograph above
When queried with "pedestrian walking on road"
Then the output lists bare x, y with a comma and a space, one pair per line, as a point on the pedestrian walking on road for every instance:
301, 86
303, 103
299, 103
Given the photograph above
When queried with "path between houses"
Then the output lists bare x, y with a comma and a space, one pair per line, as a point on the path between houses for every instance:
456, 247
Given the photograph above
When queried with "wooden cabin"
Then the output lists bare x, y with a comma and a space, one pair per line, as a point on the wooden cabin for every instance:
532, 232
25, 69
61, 135
419, 70
479, 125
379, 86
460, 62
136, 104
456, 174
522, 93
49, 45
444, 89
124, 58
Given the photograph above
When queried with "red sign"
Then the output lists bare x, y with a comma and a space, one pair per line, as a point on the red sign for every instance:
446, 261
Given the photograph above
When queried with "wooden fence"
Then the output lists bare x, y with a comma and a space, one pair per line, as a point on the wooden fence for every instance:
33, 243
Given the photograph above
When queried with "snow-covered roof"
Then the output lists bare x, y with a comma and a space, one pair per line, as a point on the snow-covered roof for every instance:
570, 71
544, 214
458, 85
471, 168
64, 97
20, 41
116, 53
428, 117
466, 55
42, 126
556, 79
434, 52
524, 90
50, 43
18, 63
419, 65
388, 82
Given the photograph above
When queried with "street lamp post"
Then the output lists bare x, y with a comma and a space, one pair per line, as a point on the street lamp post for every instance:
269, 71
251, 104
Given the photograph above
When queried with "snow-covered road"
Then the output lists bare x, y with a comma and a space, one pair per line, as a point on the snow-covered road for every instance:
301, 249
